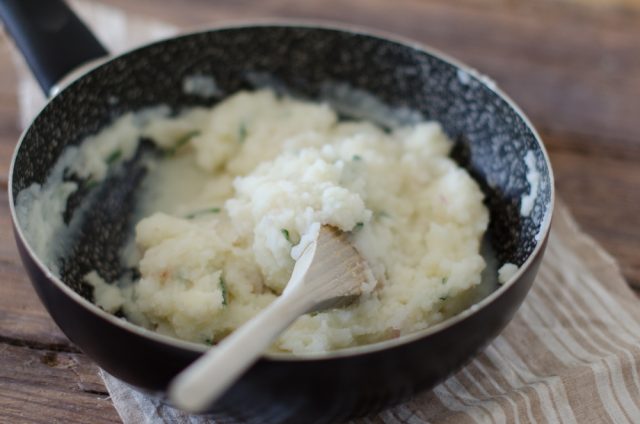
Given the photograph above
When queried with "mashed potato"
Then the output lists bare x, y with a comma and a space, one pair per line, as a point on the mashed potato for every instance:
249, 177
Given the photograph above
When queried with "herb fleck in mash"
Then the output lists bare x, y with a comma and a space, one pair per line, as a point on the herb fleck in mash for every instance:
243, 182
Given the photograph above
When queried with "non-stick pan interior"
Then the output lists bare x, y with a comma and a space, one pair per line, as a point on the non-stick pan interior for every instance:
492, 139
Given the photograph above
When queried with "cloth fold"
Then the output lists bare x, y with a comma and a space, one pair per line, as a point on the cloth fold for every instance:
571, 354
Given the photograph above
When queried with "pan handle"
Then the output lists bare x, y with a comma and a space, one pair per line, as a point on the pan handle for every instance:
53, 40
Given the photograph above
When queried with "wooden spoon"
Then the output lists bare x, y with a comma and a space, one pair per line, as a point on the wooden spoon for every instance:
328, 272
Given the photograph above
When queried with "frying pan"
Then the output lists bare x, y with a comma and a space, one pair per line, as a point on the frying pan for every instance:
492, 138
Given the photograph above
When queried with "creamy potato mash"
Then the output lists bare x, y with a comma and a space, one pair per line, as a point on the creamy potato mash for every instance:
246, 179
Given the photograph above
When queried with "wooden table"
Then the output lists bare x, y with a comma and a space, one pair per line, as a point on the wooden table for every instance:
574, 67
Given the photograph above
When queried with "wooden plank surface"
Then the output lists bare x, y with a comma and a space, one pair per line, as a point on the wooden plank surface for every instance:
573, 66
44, 386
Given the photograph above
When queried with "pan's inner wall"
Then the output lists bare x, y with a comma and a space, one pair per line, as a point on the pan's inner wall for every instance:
492, 139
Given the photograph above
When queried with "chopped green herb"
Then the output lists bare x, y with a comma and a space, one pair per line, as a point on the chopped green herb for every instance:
358, 226
381, 214
223, 287
182, 277
443, 298
242, 132
444, 281
180, 142
202, 212
208, 342
90, 184
185, 139
114, 156
285, 233
356, 158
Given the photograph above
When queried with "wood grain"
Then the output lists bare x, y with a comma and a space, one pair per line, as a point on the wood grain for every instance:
571, 71
42, 386
9, 130
573, 66
603, 193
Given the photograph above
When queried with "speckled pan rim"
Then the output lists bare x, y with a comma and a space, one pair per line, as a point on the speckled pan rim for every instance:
288, 357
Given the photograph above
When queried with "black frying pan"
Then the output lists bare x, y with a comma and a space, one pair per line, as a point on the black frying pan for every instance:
492, 137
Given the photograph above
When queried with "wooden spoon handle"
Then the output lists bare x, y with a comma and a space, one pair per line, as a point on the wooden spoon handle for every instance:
210, 376
200, 384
